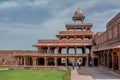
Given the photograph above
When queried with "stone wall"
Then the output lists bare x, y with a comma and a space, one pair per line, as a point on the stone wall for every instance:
7, 56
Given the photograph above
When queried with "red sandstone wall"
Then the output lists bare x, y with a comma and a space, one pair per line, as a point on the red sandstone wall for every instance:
7, 56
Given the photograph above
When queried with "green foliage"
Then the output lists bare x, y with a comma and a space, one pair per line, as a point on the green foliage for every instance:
27, 74
67, 75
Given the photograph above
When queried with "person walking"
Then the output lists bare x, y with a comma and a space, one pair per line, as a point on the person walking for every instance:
90, 63
73, 64
79, 64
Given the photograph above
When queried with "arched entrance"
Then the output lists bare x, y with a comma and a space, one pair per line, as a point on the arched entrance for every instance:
106, 59
50, 61
41, 61
115, 59
61, 61
29, 61
110, 60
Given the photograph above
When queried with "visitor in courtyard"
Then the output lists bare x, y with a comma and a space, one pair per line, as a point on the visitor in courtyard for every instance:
73, 64
90, 63
79, 64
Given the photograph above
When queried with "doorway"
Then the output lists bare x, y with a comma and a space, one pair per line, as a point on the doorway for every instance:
95, 61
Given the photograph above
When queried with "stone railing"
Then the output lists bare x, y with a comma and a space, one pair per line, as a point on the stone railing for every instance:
51, 54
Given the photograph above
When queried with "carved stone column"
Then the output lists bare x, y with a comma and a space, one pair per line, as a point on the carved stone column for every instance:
45, 61
39, 50
108, 60
67, 52
112, 61
48, 50
24, 61
55, 61
17, 61
119, 62
75, 50
65, 61
34, 61
58, 50
84, 49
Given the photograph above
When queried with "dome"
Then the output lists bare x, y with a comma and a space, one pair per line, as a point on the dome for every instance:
78, 12
78, 15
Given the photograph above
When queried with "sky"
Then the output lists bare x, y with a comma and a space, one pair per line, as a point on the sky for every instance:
24, 22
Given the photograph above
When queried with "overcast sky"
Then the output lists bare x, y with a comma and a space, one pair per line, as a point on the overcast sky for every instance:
23, 22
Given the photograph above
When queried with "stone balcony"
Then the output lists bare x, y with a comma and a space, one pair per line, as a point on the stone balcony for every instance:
76, 33
63, 43
69, 26
51, 55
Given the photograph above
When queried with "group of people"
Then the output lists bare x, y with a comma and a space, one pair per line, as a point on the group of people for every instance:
79, 63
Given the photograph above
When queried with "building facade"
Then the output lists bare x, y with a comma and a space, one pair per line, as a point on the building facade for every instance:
106, 50
73, 44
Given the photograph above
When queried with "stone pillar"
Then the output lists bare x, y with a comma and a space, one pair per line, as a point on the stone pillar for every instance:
39, 50
67, 50
84, 49
48, 50
21, 60
45, 61
108, 60
34, 61
104, 59
17, 61
82, 37
55, 61
112, 61
66, 61
87, 61
119, 62
75, 50
75, 29
67, 37
58, 50
75, 38
24, 61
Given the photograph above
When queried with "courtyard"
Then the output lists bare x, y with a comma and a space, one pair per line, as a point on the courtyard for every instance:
93, 73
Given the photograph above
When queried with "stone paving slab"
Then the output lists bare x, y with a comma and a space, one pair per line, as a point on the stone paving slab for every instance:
95, 73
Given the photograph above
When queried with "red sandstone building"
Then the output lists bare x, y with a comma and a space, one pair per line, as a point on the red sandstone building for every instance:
77, 42
107, 45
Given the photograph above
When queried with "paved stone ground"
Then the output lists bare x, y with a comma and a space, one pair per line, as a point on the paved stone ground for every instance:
95, 73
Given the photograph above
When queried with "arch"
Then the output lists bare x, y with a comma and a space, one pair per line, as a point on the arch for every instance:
55, 51
84, 29
71, 29
71, 50
68, 62
78, 29
40, 61
71, 38
115, 59
63, 50
63, 38
50, 61
79, 50
110, 60
78, 38
58, 61
29, 61
86, 38
106, 59
87, 50
61, 61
